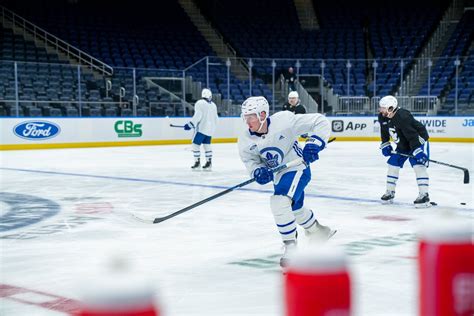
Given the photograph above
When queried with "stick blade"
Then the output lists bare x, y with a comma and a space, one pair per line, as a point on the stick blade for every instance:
161, 219
140, 218
466, 176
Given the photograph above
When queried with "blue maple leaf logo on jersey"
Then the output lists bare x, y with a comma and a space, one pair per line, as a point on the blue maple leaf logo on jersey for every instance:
272, 160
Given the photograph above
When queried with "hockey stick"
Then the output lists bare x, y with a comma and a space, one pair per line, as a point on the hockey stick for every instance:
173, 125
466, 172
329, 141
290, 164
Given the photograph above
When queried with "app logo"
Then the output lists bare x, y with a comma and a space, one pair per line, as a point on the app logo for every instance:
36, 130
128, 129
337, 125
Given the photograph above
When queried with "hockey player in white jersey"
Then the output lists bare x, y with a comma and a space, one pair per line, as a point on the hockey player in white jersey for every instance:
204, 122
268, 142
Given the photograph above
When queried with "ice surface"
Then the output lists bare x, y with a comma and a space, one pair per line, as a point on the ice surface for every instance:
72, 210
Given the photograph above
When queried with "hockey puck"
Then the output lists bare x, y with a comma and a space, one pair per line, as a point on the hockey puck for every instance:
433, 203
463, 203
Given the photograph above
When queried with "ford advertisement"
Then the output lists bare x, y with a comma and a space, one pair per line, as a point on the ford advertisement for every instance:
36, 130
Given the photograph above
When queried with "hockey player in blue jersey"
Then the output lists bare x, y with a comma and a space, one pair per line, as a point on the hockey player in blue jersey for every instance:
269, 141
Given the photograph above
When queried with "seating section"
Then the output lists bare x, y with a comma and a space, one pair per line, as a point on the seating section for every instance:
42, 77
394, 32
465, 89
129, 34
164, 39
444, 69
268, 29
145, 45
48, 86
397, 35
342, 42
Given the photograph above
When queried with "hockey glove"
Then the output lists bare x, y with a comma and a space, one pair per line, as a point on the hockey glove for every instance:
187, 127
263, 175
420, 156
386, 149
310, 152
311, 149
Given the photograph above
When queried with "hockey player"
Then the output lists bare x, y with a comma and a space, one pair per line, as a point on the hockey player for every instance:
294, 105
269, 141
411, 137
204, 122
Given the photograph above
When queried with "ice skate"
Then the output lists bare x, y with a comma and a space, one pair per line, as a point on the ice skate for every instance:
422, 201
289, 246
208, 165
196, 166
388, 197
319, 233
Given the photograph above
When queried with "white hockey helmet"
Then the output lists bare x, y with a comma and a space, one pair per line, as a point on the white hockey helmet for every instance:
255, 105
293, 94
388, 102
206, 94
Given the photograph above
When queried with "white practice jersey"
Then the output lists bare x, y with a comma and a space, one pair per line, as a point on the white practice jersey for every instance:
205, 117
280, 145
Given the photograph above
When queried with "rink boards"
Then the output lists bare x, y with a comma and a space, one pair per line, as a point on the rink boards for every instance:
43, 133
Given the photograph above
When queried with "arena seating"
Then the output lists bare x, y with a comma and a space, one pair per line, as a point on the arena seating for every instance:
159, 43
444, 69
162, 39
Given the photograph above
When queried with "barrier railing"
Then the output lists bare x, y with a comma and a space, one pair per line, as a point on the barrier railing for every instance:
353, 105
22, 81
416, 104
59, 108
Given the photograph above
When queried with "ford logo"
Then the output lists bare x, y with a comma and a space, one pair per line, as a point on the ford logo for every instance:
36, 130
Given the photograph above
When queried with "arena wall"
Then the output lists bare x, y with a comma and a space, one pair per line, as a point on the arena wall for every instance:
43, 133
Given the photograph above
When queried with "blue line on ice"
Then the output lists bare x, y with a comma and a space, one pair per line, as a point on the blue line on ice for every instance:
323, 196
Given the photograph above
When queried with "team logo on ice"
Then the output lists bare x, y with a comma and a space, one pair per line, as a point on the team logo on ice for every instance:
273, 156
36, 130
23, 210
25, 215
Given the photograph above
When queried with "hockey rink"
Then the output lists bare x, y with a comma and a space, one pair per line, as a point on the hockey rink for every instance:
66, 212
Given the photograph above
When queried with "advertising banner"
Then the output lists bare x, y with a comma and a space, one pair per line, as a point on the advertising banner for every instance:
30, 133
440, 128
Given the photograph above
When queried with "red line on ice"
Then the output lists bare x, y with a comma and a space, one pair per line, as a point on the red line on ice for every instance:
51, 302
